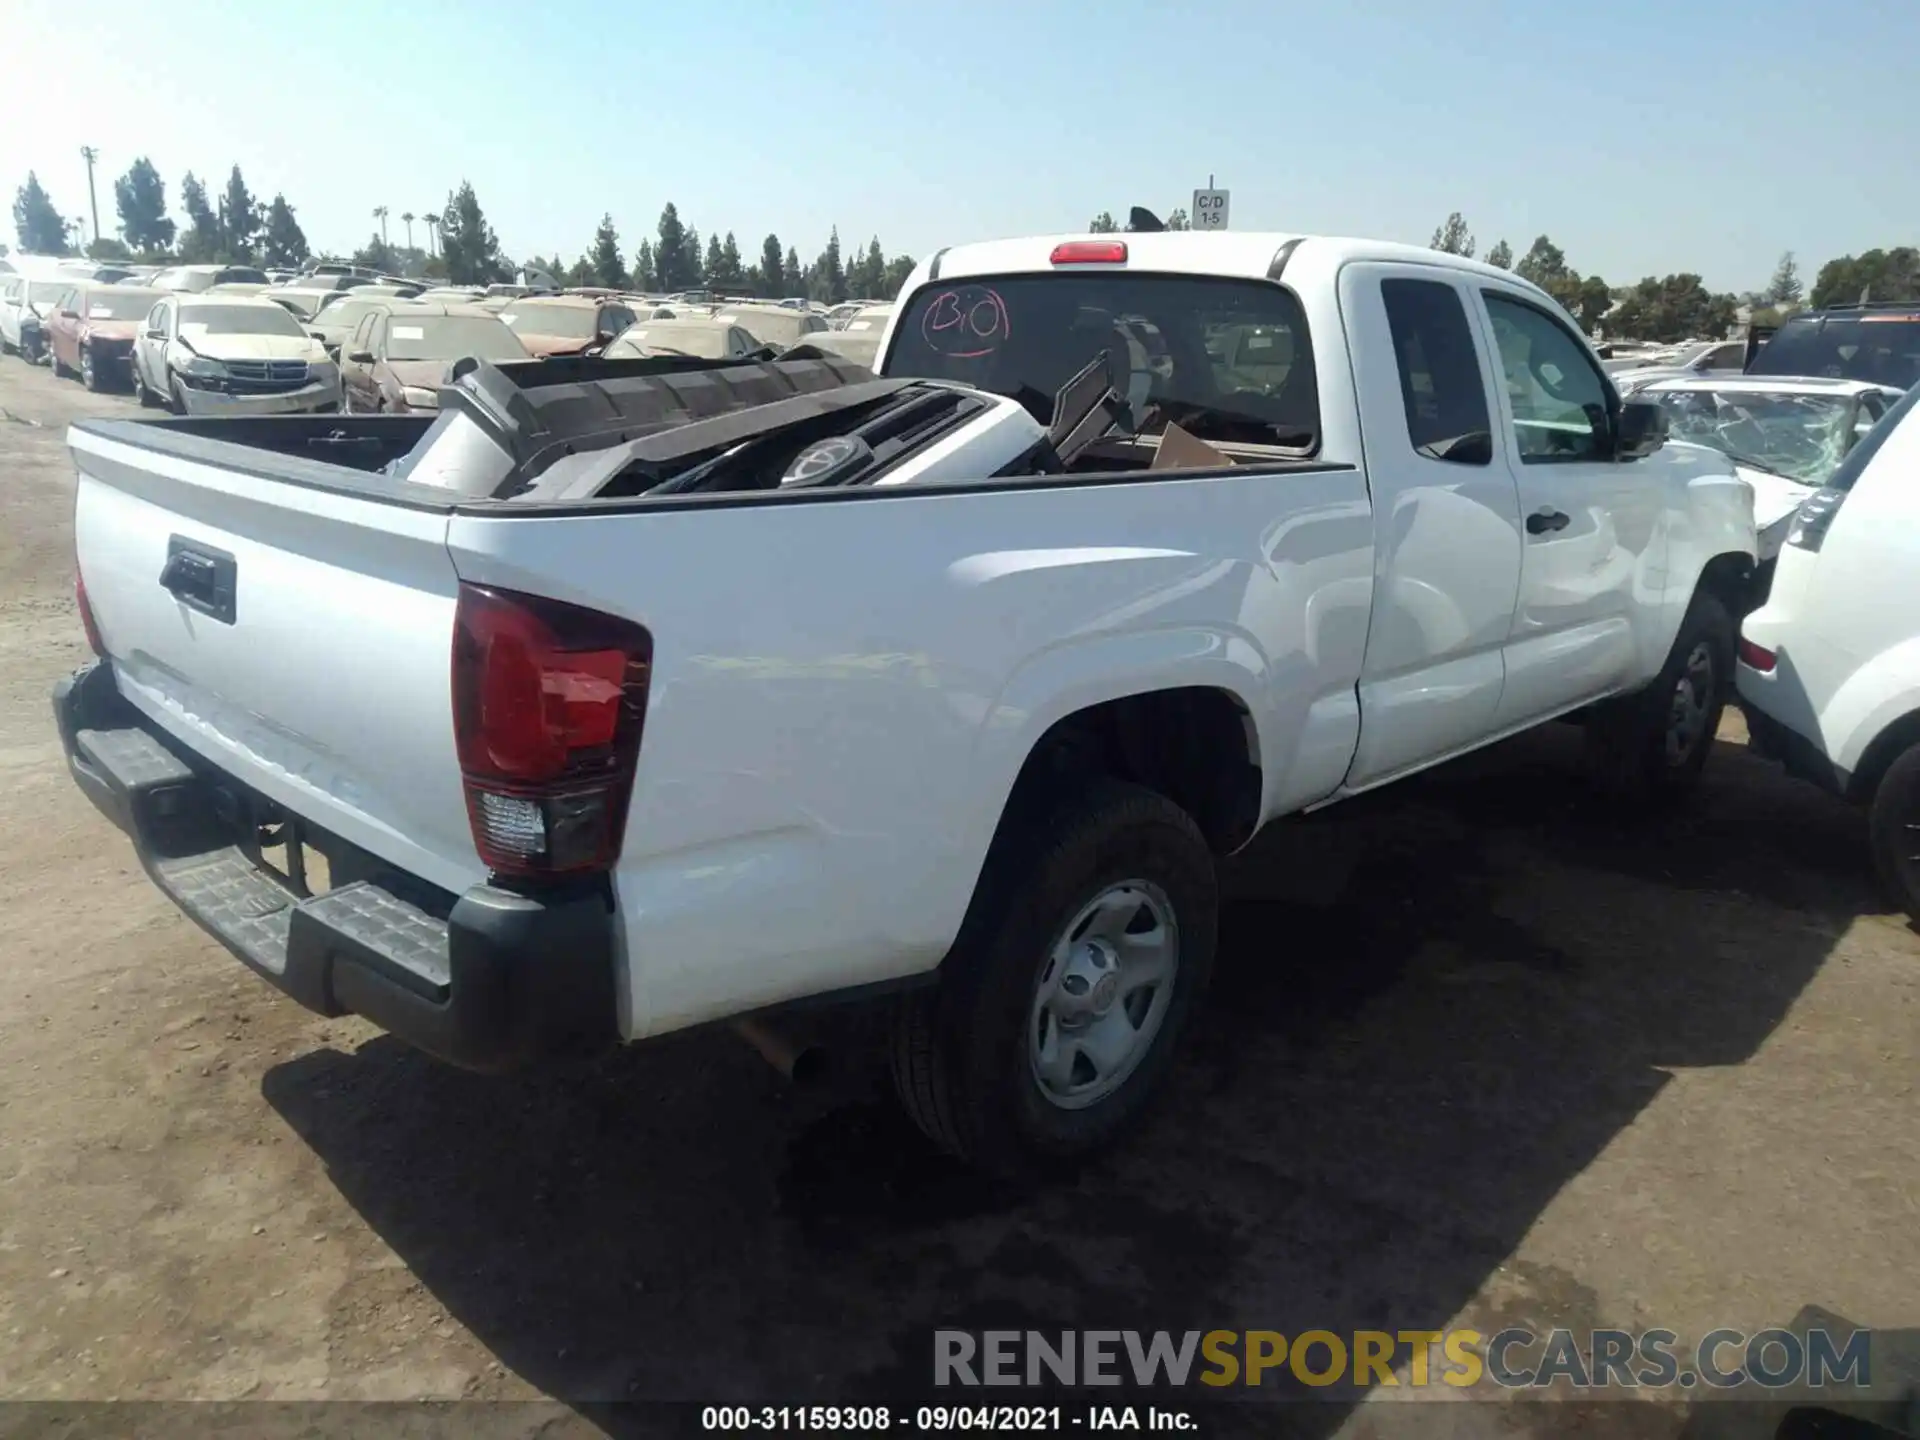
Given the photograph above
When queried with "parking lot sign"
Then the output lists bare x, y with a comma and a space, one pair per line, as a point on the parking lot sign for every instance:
1209, 209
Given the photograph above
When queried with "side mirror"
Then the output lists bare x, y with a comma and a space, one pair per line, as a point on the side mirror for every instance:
69, 314
156, 334
359, 357
316, 334
594, 350
1640, 430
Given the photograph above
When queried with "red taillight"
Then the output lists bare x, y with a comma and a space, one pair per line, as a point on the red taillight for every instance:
548, 701
87, 621
1755, 658
1090, 252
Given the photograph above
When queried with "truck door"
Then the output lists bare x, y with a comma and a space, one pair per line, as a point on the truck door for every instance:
1594, 540
1446, 517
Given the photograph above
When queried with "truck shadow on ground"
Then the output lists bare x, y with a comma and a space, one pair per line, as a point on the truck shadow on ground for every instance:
1431, 1011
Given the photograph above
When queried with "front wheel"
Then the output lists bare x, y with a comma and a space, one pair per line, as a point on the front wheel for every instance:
176, 398
1893, 824
141, 393
1650, 747
53, 358
89, 370
1089, 941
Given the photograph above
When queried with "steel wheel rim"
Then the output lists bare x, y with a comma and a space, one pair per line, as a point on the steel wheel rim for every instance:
1691, 704
86, 368
1103, 994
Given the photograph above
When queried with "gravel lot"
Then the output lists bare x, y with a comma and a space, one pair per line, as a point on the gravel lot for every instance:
1476, 1054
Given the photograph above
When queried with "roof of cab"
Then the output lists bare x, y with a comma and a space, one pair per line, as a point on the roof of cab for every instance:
1249, 253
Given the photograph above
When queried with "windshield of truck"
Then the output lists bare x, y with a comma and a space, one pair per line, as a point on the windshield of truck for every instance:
1881, 346
449, 337
1227, 360
1801, 437
565, 322
238, 320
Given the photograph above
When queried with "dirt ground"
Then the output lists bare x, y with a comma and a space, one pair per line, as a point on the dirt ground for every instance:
1476, 1054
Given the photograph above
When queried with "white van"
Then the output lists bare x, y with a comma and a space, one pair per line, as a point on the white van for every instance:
1829, 671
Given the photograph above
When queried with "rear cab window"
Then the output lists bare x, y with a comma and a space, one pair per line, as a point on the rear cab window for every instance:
1227, 360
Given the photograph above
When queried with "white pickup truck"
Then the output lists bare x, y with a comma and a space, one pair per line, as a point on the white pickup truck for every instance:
628, 695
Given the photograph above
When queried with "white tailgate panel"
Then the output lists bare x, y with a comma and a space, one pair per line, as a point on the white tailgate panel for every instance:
331, 691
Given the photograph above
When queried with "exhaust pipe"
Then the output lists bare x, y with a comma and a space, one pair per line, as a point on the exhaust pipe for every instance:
805, 1065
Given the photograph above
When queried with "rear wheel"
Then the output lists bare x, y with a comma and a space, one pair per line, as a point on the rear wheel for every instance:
1650, 747
1894, 825
7, 347
1089, 941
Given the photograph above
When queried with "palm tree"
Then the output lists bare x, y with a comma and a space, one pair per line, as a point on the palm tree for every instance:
380, 214
407, 220
433, 231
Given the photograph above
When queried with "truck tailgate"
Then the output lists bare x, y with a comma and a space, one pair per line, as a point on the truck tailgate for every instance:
297, 638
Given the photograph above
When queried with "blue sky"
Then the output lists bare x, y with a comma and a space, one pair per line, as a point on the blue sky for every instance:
1705, 135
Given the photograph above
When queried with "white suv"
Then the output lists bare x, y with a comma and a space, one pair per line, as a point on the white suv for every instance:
1829, 671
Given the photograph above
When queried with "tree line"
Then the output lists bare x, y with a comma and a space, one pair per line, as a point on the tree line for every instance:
1664, 308
1680, 307
242, 229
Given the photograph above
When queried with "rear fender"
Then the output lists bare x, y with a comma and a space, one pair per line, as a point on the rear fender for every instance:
1082, 673
1876, 697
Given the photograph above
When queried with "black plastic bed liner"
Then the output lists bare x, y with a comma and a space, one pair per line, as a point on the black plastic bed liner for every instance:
539, 410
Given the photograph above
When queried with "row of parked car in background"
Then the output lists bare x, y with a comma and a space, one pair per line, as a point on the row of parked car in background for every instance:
236, 339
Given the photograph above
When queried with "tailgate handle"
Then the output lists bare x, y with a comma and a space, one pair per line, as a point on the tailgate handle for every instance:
201, 578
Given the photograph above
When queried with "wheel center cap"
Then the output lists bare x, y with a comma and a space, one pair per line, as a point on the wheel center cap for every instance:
1091, 984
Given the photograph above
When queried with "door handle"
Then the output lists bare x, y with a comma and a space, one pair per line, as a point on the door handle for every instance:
1541, 521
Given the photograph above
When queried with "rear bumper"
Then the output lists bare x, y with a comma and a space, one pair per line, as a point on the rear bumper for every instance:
487, 980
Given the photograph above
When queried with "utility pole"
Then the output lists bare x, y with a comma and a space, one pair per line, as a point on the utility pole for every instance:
89, 154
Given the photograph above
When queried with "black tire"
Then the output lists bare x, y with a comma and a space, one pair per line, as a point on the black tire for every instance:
1893, 824
141, 393
176, 402
90, 376
7, 347
960, 1051
53, 358
1628, 739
